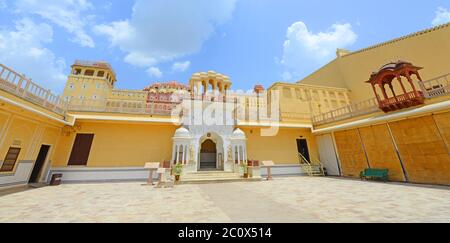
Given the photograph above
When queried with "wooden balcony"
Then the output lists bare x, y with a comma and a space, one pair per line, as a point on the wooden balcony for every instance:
402, 101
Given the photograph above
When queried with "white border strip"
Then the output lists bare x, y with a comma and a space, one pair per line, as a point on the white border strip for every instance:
36, 111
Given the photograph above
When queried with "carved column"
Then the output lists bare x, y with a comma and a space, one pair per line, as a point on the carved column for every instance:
393, 92
376, 94
411, 82
384, 92
399, 78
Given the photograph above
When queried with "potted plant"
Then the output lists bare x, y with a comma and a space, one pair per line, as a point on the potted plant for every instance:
177, 171
244, 169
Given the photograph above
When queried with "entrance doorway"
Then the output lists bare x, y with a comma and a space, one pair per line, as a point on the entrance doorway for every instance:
302, 146
40, 161
208, 155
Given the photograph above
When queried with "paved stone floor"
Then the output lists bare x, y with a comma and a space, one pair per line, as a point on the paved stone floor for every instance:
295, 199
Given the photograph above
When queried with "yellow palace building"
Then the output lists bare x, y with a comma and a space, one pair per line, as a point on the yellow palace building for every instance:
386, 106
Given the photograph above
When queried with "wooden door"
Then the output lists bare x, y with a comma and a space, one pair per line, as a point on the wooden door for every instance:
81, 149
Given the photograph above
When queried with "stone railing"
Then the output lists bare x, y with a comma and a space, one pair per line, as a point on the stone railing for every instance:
129, 94
436, 87
346, 112
93, 64
20, 86
121, 106
295, 116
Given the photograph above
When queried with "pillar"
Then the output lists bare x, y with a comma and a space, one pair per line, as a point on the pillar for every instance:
214, 86
185, 154
399, 78
175, 149
422, 85
375, 92
411, 82
384, 92
393, 92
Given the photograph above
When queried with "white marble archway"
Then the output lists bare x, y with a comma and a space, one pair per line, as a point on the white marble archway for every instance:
220, 149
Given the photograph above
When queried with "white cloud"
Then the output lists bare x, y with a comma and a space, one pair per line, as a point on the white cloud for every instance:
304, 49
442, 16
23, 50
154, 72
181, 66
68, 14
160, 32
3, 4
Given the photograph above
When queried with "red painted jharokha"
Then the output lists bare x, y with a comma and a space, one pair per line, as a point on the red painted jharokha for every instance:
395, 72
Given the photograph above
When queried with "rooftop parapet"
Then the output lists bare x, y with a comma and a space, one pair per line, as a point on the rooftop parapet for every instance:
95, 64
22, 87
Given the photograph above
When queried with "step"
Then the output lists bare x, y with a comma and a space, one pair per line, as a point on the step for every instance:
218, 180
213, 177
211, 174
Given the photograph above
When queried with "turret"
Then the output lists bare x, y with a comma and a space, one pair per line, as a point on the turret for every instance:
90, 81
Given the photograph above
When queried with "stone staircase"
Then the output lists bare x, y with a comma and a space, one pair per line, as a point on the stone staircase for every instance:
213, 177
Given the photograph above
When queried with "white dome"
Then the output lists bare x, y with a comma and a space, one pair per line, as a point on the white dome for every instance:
182, 133
238, 134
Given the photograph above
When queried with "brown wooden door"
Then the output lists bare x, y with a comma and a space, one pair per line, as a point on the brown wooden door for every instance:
81, 149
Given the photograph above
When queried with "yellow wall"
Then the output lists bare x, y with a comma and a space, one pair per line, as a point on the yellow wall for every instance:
443, 123
430, 50
120, 144
282, 149
89, 87
27, 131
300, 99
423, 150
380, 150
351, 153
422, 147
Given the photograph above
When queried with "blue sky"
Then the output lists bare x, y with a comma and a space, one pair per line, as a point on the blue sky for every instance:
252, 41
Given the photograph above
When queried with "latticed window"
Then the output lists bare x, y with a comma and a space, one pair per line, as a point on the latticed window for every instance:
10, 160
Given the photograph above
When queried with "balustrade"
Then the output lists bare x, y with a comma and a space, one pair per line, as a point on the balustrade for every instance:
19, 85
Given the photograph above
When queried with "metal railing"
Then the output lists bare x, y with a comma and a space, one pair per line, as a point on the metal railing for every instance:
311, 168
20, 86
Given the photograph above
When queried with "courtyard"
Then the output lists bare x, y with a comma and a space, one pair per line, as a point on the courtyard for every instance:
286, 199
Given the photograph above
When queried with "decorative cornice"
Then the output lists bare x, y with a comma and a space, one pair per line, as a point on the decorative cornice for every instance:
419, 33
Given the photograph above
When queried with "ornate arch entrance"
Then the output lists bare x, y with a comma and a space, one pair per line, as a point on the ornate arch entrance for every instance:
208, 155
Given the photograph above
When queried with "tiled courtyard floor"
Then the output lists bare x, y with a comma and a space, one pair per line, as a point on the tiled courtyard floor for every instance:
295, 199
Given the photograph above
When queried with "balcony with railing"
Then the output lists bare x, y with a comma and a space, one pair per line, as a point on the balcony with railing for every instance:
433, 88
347, 112
22, 87
436, 87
